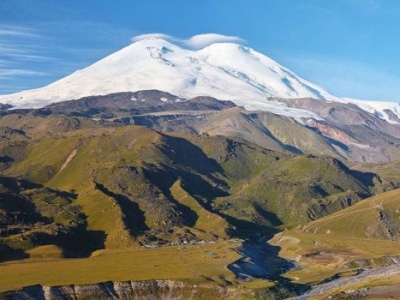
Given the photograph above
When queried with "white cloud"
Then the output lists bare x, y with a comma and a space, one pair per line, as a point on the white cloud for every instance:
18, 43
203, 40
54, 46
16, 52
195, 42
16, 31
4, 73
20, 56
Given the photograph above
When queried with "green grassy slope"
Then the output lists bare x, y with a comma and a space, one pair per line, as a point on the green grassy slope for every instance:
387, 175
366, 234
126, 172
124, 179
206, 220
376, 217
33, 215
276, 189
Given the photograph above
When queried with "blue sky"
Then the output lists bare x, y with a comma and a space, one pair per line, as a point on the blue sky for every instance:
350, 47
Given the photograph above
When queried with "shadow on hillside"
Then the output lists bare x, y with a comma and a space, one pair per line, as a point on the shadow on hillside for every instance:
193, 183
133, 217
199, 188
164, 177
19, 185
7, 253
19, 212
367, 178
184, 153
267, 215
78, 242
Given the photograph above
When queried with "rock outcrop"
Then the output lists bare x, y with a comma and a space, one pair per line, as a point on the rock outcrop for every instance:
142, 290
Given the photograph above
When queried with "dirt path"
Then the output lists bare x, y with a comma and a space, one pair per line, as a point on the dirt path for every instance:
350, 281
68, 160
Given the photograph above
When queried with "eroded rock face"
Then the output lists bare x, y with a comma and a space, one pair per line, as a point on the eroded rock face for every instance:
354, 133
142, 290
330, 131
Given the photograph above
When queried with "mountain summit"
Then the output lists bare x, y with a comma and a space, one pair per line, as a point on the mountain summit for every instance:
226, 71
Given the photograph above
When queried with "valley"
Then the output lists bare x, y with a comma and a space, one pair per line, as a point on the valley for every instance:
86, 192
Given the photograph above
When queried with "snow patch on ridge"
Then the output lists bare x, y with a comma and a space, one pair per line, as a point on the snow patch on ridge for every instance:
388, 111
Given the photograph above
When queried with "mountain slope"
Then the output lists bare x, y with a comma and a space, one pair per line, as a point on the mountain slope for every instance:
356, 133
377, 217
358, 237
342, 131
136, 185
389, 111
34, 215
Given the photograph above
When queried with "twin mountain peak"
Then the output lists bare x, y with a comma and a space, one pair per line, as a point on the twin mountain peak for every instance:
225, 71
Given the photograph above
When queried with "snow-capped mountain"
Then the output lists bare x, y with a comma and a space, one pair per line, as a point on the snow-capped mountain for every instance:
226, 71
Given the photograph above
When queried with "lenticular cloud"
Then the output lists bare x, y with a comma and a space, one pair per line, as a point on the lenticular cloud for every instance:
203, 40
195, 42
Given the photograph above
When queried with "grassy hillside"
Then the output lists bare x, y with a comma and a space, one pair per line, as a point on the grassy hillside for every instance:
33, 215
206, 221
273, 189
118, 189
136, 186
376, 217
387, 176
366, 234
125, 172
